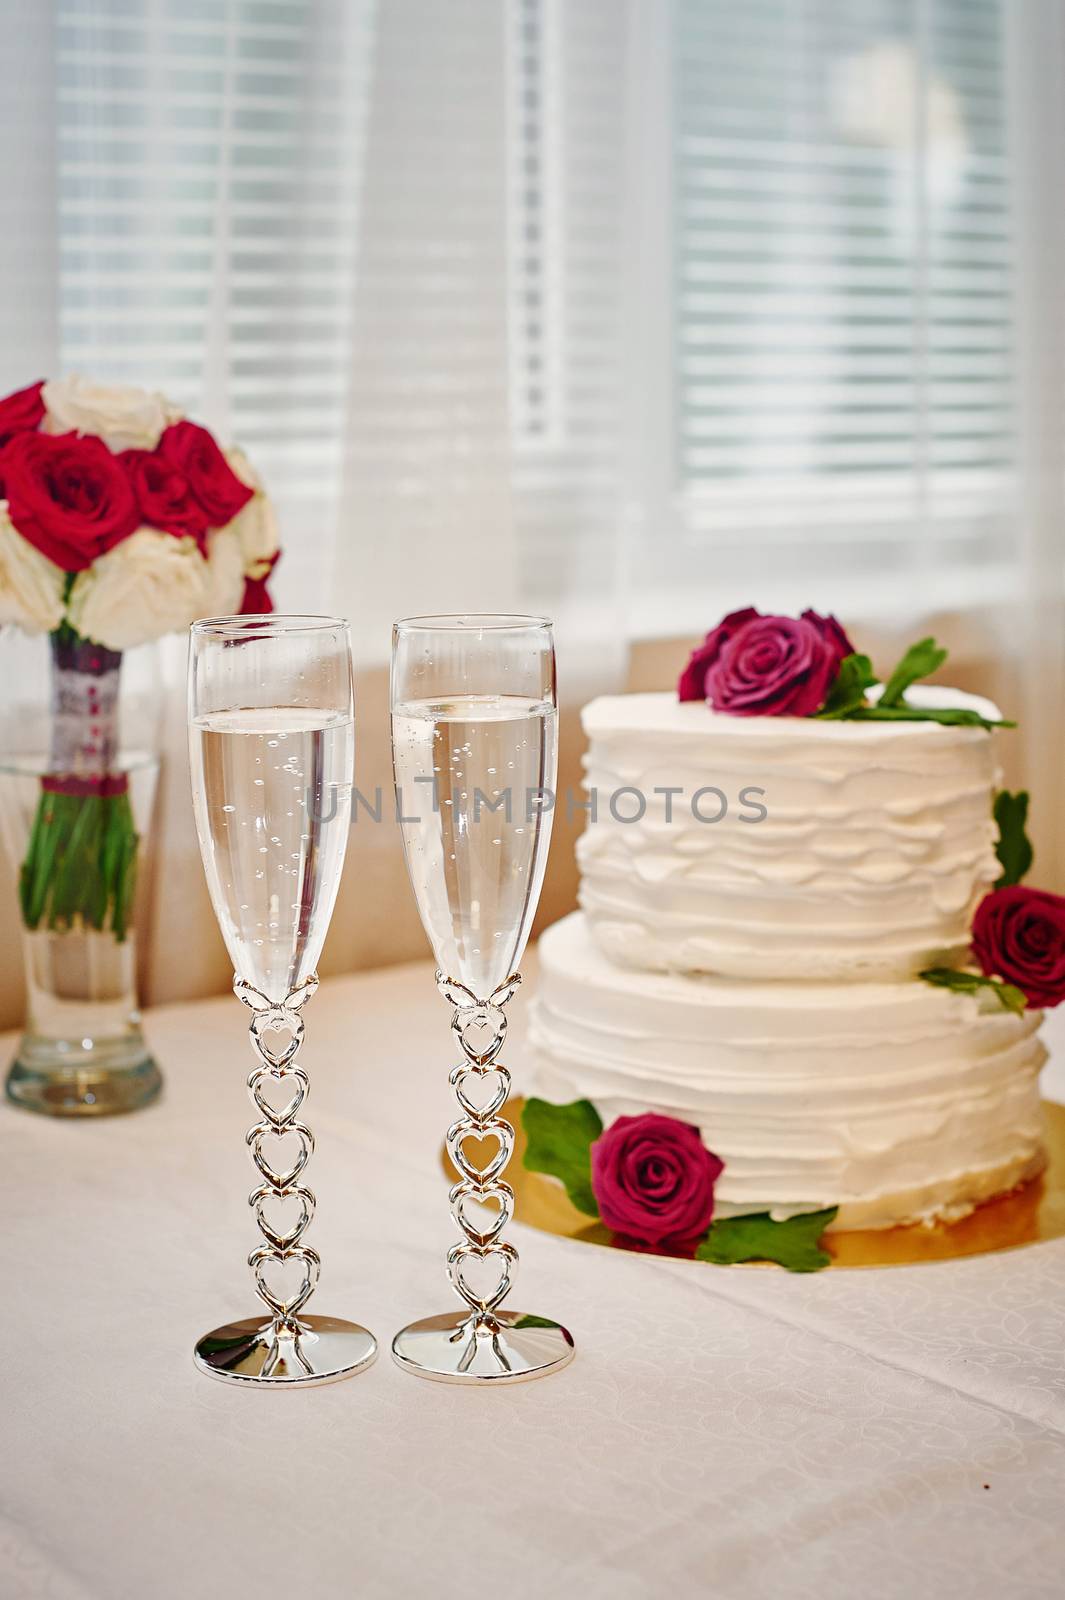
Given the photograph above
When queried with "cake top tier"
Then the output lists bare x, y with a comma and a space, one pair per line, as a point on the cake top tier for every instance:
785, 847
661, 713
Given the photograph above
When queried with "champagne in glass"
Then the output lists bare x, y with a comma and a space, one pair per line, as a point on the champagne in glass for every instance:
474, 742
472, 773
271, 790
271, 744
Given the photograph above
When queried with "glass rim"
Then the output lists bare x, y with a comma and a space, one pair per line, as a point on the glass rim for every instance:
261, 624
472, 622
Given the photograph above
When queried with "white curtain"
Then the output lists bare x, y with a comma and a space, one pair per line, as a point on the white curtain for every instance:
625, 310
427, 507
486, 398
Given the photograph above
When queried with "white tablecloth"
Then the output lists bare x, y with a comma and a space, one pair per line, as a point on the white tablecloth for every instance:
723, 1431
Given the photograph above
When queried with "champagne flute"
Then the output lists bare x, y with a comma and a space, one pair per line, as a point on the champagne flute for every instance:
271, 743
474, 751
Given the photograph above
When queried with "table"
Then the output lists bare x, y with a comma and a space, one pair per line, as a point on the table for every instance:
723, 1431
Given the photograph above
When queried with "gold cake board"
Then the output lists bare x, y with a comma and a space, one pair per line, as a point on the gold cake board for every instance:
1028, 1215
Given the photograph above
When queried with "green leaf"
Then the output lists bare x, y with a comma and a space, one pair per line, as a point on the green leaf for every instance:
1014, 848
795, 1244
846, 699
949, 716
848, 692
1009, 997
559, 1139
920, 660
81, 863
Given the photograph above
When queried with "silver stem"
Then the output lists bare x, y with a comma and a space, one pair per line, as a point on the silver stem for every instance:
289, 1349
480, 1026
278, 1066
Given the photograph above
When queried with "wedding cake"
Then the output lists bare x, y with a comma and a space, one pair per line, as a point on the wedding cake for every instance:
790, 942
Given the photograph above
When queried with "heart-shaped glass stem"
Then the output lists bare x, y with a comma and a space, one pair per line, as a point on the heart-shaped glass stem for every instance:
272, 1267
480, 1131
264, 1093
480, 1143
482, 1343
483, 1226
291, 1348
491, 1101
280, 1145
297, 1204
274, 1135
482, 1290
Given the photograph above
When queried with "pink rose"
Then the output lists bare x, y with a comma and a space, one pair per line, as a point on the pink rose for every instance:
832, 633
653, 1179
692, 685
775, 667
694, 680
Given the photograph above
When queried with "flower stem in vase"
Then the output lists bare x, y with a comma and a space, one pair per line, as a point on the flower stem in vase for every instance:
81, 860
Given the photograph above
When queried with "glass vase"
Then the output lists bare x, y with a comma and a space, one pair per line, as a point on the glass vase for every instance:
77, 791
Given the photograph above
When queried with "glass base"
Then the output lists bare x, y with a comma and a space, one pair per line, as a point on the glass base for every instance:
291, 1355
76, 1078
506, 1347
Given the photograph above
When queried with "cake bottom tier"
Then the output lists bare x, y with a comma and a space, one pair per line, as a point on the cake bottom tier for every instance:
896, 1102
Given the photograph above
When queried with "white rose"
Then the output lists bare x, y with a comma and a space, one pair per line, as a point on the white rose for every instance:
31, 586
225, 574
256, 523
148, 585
123, 417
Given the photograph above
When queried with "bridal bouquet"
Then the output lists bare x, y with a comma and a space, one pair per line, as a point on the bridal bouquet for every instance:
120, 520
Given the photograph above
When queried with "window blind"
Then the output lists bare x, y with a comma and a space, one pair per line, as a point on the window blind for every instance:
568, 142
844, 351
208, 172
820, 362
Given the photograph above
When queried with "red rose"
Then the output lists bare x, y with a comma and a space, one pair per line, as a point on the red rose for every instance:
831, 633
1019, 935
21, 412
211, 479
163, 494
67, 495
773, 667
692, 685
653, 1179
694, 679
256, 601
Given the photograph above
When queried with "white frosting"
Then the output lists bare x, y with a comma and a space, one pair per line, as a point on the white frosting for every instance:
894, 1101
878, 843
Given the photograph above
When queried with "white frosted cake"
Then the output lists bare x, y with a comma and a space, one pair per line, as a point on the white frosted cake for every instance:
877, 844
756, 976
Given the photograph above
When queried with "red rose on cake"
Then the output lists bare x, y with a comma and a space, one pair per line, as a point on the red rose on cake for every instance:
1019, 936
692, 685
752, 665
653, 1179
